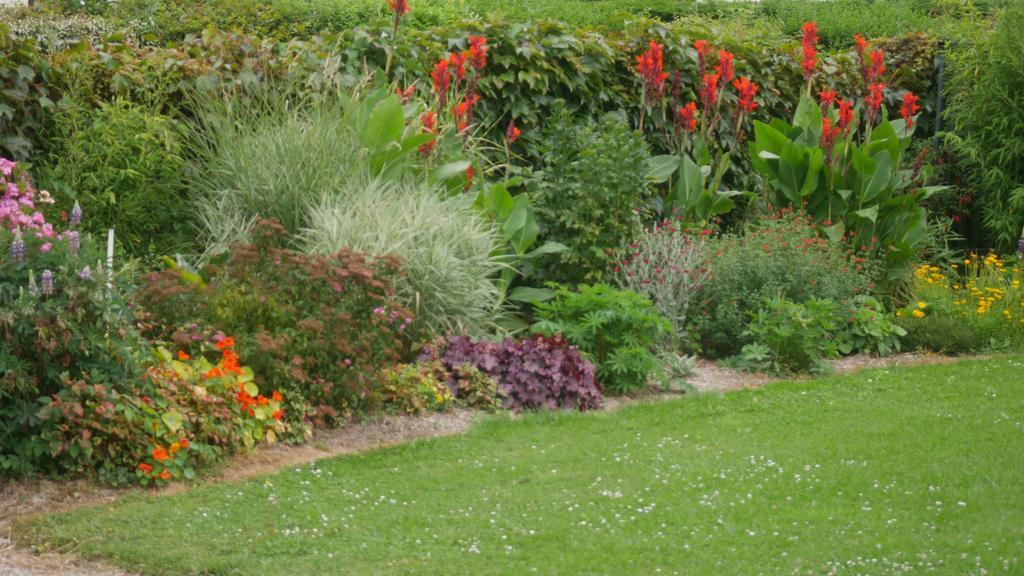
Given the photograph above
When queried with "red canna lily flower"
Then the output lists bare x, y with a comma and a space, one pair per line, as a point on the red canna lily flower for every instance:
703, 50
686, 117
910, 108
747, 90
874, 100
442, 78
463, 112
406, 94
512, 133
861, 44
827, 98
845, 114
649, 66
810, 52
709, 93
725, 67
428, 120
457, 64
469, 178
877, 66
399, 7
477, 51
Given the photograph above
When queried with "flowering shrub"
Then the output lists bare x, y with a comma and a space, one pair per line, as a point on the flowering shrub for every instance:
59, 319
972, 305
536, 372
184, 412
618, 329
667, 264
316, 327
782, 255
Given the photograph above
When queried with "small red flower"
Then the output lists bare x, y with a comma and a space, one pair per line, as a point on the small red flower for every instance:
160, 454
145, 468
428, 120
442, 78
183, 443
686, 117
877, 66
463, 112
861, 44
829, 134
703, 50
512, 133
747, 90
406, 94
910, 108
457, 64
277, 415
874, 100
469, 178
226, 343
182, 355
276, 396
165, 475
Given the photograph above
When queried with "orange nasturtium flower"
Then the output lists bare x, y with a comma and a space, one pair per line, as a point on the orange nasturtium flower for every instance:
277, 396
183, 443
165, 475
277, 415
160, 454
182, 355
225, 343
146, 468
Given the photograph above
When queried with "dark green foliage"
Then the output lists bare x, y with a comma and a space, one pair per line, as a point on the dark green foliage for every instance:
125, 166
782, 255
25, 98
987, 131
790, 336
618, 329
869, 328
588, 190
948, 335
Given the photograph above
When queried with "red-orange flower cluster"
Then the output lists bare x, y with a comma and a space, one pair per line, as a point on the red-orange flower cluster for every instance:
808, 47
910, 108
649, 65
845, 114
747, 90
703, 49
725, 67
429, 122
874, 100
462, 112
827, 98
406, 94
686, 117
876, 67
512, 133
709, 92
399, 7
477, 52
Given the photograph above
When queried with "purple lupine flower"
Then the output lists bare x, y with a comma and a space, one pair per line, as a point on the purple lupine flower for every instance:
76, 214
33, 289
47, 280
18, 249
85, 274
74, 241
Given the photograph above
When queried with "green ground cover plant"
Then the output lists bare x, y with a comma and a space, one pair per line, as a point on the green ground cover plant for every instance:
874, 472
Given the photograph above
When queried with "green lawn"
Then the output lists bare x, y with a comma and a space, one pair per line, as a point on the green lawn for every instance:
918, 469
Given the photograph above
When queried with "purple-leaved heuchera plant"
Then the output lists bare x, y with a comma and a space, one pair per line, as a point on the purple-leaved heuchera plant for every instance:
536, 372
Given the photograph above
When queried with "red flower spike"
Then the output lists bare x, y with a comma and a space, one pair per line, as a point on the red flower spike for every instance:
477, 51
877, 66
457, 64
406, 94
649, 66
747, 90
686, 117
725, 67
399, 7
874, 100
845, 115
808, 48
442, 78
910, 108
469, 178
709, 93
827, 98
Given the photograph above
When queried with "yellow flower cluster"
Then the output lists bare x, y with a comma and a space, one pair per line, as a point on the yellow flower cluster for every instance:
980, 286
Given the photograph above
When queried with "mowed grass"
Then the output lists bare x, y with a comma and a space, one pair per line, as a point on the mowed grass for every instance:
883, 472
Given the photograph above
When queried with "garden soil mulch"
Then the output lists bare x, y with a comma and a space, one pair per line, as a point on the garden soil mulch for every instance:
31, 497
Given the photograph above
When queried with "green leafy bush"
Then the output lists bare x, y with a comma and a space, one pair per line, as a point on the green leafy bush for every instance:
616, 328
125, 166
414, 389
591, 183
315, 327
869, 328
27, 97
780, 255
790, 336
985, 110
